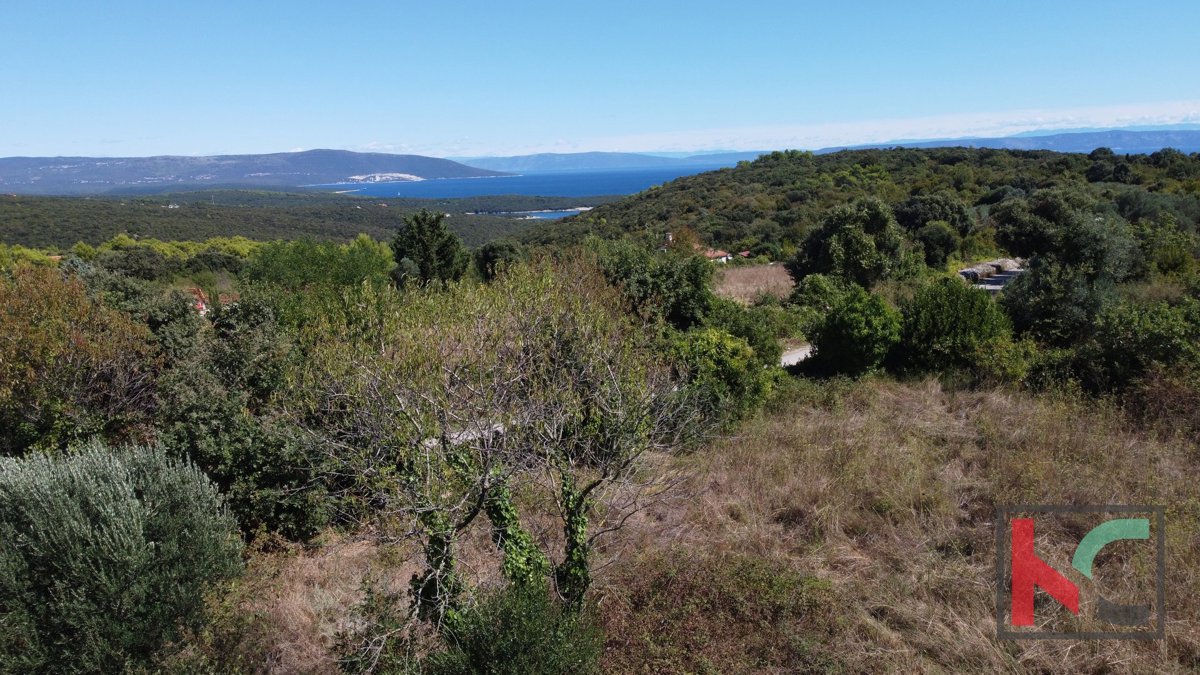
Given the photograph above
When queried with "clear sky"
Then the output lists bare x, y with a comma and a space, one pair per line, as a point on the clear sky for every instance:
127, 78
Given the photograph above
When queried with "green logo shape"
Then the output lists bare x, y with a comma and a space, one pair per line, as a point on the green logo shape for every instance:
1104, 534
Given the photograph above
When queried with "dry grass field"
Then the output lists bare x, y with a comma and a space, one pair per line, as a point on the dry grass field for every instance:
848, 529
746, 284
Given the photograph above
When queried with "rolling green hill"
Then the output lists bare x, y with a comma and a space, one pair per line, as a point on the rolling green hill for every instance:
776, 200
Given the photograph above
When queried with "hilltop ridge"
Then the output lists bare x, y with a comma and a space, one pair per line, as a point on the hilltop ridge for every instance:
98, 175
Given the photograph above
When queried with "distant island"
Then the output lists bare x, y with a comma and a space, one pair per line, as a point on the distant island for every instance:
549, 162
1120, 141
99, 175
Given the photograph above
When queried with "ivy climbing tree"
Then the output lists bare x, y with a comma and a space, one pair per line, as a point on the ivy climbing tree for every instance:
439, 408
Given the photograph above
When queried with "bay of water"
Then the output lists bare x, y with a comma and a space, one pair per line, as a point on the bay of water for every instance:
559, 184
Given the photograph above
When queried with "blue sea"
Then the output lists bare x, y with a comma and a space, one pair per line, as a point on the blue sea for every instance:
559, 184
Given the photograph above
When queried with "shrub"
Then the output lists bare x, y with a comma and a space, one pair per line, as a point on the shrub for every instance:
1129, 338
857, 333
813, 298
1055, 303
70, 368
940, 241
107, 554
216, 412
1003, 360
724, 370
298, 264
755, 325
519, 630
945, 324
495, 255
139, 262
675, 288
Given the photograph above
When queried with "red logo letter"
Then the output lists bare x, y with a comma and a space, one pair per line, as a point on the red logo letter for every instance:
1028, 571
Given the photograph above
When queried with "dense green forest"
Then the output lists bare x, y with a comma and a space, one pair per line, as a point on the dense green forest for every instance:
59, 222
771, 204
569, 453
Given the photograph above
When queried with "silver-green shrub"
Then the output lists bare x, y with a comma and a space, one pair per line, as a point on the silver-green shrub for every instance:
104, 555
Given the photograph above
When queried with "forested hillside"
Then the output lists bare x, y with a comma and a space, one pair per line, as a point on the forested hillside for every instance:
59, 222
281, 170
771, 204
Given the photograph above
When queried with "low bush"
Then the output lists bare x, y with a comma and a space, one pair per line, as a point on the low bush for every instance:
70, 368
857, 334
518, 630
944, 326
1128, 339
756, 325
723, 369
106, 555
522, 631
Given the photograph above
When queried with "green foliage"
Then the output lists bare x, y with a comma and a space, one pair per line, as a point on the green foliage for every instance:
1130, 340
858, 243
536, 382
106, 554
945, 324
437, 252
814, 297
60, 222
1055, 303
216, 411
756, 325
674, 288
940, 241
304, 263
919, 211
496, 255
519, 630
731, 381
1070, 227
70, 368
857, 334
1005, 361
793, 190
138, 262
523, 563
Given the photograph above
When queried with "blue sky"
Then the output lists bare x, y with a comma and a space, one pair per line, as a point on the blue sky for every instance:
125, 78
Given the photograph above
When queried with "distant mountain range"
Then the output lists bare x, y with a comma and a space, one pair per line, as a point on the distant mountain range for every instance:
601, 161
122, 175
1084, 140
1122, 142
94, 175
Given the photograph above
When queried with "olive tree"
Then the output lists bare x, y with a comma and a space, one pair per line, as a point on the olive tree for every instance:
435, 408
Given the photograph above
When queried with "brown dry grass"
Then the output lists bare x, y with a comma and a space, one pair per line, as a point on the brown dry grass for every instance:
888, 495
746, 284
848, 530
